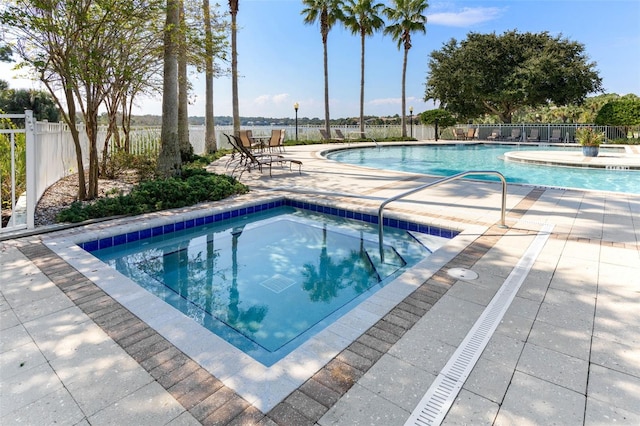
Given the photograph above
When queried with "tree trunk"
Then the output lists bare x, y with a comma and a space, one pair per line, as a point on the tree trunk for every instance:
169, 163
234, 67
362, 86
112, 128
404, 100
75, 135
92, 135
209, 121
186, 150
126, 123
327, 125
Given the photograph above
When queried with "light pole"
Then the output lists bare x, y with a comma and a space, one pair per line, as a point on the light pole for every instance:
411, 120
295, 107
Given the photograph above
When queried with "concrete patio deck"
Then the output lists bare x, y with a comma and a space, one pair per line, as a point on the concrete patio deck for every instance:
567, 350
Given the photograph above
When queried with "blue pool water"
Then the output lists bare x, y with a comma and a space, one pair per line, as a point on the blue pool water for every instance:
446, 160
268, 281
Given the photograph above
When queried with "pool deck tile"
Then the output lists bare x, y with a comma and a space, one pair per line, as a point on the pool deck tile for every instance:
574, 317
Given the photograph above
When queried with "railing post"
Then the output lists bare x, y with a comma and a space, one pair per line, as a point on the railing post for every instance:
30, 140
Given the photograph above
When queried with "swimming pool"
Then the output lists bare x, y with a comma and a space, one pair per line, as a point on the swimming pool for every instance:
446, 160
267, 279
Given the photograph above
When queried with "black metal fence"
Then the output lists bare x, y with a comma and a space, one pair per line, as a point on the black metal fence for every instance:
552, 133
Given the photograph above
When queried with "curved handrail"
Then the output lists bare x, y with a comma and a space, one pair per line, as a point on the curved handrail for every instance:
439, 182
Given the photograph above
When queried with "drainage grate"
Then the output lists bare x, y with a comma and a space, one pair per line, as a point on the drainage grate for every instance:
277, 283
443, 391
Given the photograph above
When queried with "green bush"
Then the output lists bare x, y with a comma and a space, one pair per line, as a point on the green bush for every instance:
443, 117
622, 112
120, 161
194, 186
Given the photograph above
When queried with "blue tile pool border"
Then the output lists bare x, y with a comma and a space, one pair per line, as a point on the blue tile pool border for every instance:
98, 244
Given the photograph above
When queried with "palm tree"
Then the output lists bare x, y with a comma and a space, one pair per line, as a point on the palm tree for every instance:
406, 17
209, 124
326, 12
186, 149
169, 162
233, 10
361, 17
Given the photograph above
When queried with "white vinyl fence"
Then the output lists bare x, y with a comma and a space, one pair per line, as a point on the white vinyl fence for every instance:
22, 205
51, 155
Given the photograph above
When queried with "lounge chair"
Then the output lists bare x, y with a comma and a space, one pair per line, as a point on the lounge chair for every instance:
534, 135
327, 136
556, 135
472, 133
250, 160
458, 133
339, 136
238, 157
495, 135
515, 135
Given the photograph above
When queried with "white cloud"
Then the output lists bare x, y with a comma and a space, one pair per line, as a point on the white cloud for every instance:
385, 101
271, 100
262, 99
281, 98
467, 17
394, 101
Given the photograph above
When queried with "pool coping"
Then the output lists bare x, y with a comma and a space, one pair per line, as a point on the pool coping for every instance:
606, 161
263, 387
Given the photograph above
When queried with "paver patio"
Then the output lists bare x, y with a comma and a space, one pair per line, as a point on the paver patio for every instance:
566, 352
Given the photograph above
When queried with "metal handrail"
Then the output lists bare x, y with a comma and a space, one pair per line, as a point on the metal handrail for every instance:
438, 182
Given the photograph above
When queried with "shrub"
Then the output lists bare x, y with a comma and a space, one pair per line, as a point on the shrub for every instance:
622, 112
443, 118
194, 186
120, 161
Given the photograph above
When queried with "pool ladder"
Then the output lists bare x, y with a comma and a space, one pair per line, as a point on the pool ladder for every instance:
439, 182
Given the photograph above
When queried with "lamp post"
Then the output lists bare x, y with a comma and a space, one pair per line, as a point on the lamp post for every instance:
295, 107
411, 120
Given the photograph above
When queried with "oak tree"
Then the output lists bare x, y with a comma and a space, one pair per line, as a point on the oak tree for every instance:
499, 74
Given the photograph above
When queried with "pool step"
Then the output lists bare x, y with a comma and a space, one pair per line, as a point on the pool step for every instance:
392, 261
430, 242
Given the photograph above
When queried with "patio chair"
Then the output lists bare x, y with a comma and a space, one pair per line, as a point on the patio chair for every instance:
246, 138
281, 143
472, 133
275, 141
515, 135
534, 135
458, 133
556, 135
495, 135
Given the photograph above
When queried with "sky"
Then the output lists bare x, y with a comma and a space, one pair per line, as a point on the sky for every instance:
280, 58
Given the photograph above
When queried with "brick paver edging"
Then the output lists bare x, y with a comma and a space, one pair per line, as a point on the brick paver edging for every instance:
206, 397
